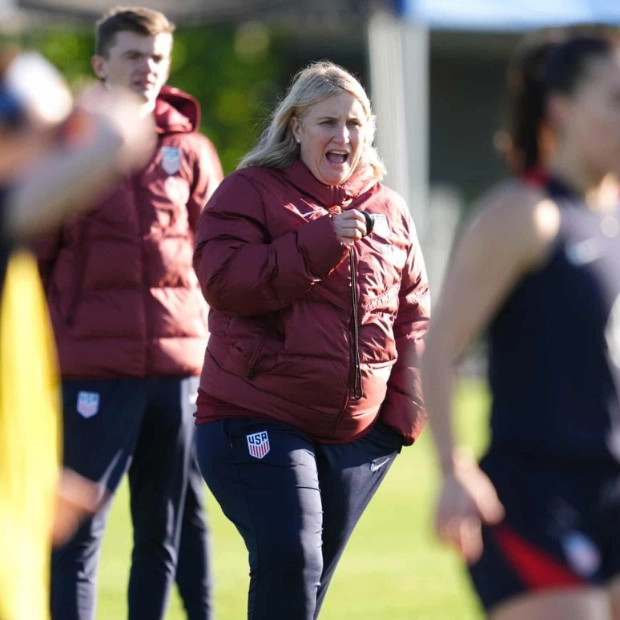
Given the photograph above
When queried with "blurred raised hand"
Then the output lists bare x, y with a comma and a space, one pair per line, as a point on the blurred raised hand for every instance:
467, 501
60, 156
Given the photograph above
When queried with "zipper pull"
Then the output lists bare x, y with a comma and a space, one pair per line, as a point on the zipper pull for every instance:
370, 223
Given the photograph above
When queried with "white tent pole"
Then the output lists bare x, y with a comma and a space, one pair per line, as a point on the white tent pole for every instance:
399, 55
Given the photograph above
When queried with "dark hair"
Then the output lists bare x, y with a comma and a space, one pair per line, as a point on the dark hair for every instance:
555, 63
519, 141
133, 19
13, 113
568, 63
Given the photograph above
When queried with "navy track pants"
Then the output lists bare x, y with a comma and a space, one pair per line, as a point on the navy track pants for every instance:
144, 427
295, 502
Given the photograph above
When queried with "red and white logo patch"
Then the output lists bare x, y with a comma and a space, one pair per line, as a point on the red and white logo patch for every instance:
258, 444
87, 404
171, 159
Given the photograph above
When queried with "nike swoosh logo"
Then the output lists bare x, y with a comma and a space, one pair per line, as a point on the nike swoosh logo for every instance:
306, 214
374, 466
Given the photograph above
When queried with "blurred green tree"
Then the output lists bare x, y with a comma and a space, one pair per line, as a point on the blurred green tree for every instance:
236, 72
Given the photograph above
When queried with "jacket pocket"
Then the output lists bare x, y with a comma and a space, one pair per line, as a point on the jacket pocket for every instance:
254, 359
239, 356
386, 436
251, 348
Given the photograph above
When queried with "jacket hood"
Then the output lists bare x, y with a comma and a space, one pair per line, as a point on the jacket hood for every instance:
329, 195
176, 111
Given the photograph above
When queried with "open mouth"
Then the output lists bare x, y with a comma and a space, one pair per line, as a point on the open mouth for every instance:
337, 157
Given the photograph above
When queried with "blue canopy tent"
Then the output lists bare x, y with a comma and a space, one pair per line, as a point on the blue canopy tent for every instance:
515, 15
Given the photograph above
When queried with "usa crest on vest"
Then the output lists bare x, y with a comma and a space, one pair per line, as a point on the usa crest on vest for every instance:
171, 159
258, 444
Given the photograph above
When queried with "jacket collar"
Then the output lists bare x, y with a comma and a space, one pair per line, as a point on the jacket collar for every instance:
328, 195
176, 111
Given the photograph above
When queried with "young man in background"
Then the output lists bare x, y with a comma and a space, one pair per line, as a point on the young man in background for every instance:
130, 326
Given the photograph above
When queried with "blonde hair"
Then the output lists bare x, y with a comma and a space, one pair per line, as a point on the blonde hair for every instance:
278, 148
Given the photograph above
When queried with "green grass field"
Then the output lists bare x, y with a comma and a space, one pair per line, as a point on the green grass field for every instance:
392, 569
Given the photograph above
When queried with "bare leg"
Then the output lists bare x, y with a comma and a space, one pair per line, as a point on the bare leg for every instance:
574, 604
613, 589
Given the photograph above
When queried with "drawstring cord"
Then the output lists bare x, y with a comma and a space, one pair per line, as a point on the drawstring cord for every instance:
357, 377
357, 371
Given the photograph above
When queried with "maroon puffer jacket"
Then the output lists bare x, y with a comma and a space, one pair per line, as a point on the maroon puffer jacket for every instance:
123, 296
292, 311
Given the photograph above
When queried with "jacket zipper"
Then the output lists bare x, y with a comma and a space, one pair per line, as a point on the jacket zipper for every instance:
357, 370
142, 232
354, 346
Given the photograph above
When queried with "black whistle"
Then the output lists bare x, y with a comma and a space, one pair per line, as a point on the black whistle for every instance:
369, 222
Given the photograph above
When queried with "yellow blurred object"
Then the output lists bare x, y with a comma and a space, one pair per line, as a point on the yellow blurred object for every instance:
29, 442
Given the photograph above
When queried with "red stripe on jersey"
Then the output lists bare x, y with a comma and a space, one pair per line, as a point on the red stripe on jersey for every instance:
536, 569
536, 177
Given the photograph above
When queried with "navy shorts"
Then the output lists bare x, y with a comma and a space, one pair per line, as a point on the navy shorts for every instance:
561, 530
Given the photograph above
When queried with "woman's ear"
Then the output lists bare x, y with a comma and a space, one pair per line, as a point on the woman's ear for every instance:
295, 129
547, 142
557, 111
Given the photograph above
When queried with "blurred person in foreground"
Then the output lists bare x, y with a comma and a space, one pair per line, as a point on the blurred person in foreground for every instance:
47, 161
539, 520
318, 303
131, 330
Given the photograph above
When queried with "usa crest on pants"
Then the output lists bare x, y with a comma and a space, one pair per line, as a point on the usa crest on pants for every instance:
258, 444
87, 404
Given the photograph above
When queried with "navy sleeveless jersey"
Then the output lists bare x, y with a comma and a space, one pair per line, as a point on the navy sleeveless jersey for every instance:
554, 362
